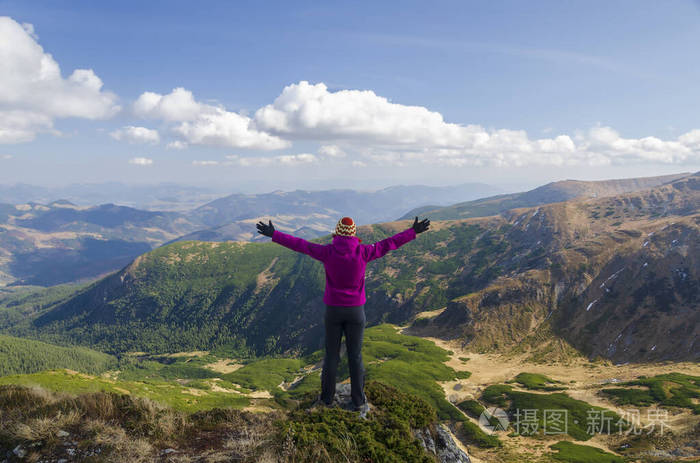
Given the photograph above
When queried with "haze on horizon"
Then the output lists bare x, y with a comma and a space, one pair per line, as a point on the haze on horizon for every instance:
367, 95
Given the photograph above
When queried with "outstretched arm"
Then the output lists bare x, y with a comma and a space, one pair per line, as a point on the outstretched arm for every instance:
380, 248
317, 251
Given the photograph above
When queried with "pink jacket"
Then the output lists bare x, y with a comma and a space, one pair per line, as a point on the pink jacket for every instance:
344, 260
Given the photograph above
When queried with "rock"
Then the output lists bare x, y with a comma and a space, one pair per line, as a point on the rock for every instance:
20, 452
62, 433
167, 451
425, 439
343, 398
457, 387
447, 450
62, 460
442, 445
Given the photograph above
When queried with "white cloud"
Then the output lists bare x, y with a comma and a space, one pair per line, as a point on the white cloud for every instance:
134, 134
205, 163
33, 93
179, 105
204, 124
294, 159
383, 132
310, 111
176, 145
359, 164
141, 161
331, 151
285, 160
5, 156
29, 29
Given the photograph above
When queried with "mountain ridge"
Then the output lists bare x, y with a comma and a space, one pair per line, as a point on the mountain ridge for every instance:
549, 193
504, 280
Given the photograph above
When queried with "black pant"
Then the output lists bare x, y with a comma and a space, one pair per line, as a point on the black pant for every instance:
351, 321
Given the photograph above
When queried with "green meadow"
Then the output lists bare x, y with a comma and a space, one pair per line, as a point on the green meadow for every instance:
672, 389
580, 419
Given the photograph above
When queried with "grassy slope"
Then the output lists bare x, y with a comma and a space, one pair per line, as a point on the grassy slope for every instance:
674, 390
578, 414
112, 427
506, 274
574, 453
26, 356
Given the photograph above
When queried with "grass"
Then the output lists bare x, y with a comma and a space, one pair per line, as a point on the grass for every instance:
18, 356
672, 389
411, 364
580, 417
118, 427
266, 374
575, 453
337, 435
537, 382
471, 407
179, 397
473, 434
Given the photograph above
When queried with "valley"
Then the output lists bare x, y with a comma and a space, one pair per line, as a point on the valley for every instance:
589, 306
195, 382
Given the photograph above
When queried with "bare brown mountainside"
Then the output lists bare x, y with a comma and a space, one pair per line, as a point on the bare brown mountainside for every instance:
616, 277
550, 193
622, 281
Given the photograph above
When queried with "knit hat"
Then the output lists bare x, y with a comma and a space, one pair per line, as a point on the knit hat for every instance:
345, 227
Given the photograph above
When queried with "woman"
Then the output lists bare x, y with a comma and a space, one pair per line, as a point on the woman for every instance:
344, 260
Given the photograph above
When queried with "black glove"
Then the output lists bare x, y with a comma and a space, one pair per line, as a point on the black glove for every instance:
421, 226
266, 230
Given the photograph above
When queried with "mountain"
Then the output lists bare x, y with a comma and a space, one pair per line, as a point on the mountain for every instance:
550, 193
158, 197
59, 242
47, 244
610, 277
616, 277
315, 213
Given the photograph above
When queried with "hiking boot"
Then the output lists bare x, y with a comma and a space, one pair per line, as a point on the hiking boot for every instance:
319, 404
363, 410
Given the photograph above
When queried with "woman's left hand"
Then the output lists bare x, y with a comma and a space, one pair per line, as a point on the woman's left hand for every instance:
266, 230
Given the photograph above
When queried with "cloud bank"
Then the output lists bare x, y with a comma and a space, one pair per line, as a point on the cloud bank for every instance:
286, 160
204, 124
33, 93
352, 127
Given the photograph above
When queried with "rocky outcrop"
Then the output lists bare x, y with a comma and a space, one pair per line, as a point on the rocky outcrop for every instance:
435, 440
439, 442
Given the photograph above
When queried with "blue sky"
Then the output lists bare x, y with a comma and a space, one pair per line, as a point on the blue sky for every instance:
500, 92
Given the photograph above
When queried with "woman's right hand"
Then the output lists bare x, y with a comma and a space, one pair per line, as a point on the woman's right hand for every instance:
420, 227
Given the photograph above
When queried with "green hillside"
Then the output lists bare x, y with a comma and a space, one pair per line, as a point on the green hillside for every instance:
526, 280
19, 356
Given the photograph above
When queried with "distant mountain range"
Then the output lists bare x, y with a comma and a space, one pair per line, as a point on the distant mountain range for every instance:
615, 277
158, 197
550, 193
315, 213
61, 242
58, 242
